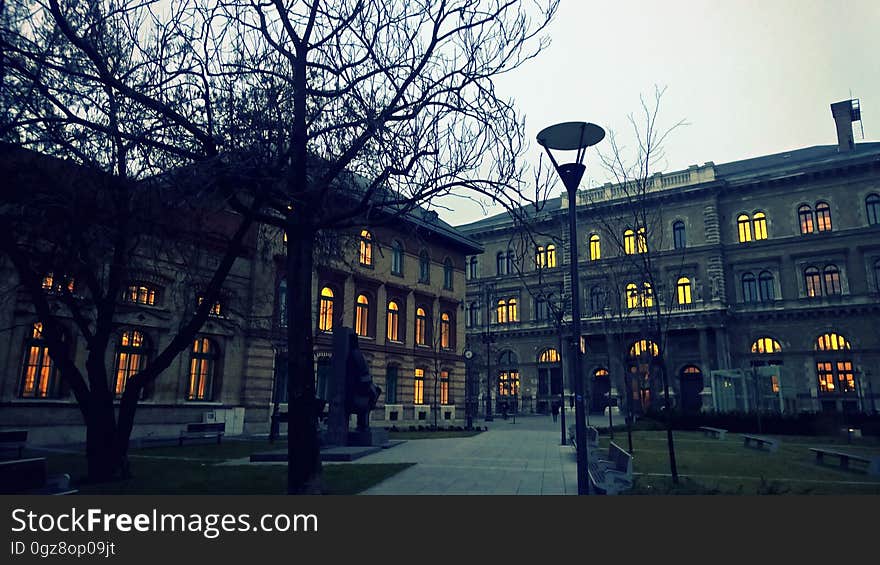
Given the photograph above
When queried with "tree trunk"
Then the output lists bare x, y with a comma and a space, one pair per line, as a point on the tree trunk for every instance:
303, 448
673, 467
104, 461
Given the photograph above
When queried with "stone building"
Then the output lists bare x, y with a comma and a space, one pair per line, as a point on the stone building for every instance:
766, 272
400, 286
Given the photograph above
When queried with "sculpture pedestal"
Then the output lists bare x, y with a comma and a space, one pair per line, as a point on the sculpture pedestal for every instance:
373, 436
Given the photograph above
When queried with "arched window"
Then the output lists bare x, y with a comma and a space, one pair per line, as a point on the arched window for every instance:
683, 286
549, 355
447, 274
595, 247
805, 217
393, 321
362, 315
766, 290
647, 295
131, 358
424, 267
644, 347
744, 225
396, 258
823, 216
500, 262
834, 370
282, 303
512, 312
872, 208
325, 310
832, 342
759, 220
421, 326
510, 262
419, 386
749, 287
202, 369
391, 384
444, 387
540, 257
831, 276
144, 294
366, 249
642, 240
472, 268
632, 295
812, 282
39, 378
501, 312
629, 242
766, 345
445, 330
551, 256
597, 299
679, 236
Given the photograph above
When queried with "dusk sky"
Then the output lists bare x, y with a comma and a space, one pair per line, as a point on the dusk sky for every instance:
749, 77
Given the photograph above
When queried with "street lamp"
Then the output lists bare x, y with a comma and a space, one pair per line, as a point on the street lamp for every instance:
574, 136
488, 338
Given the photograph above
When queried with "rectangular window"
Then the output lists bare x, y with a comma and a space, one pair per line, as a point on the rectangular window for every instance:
391, 385
826, 376
419, 387
444, 387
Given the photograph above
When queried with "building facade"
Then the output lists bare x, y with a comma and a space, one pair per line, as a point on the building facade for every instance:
766, 274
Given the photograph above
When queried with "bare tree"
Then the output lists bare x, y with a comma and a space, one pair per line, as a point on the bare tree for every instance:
338, 114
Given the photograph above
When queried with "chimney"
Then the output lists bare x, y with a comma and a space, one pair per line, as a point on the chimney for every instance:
844, 113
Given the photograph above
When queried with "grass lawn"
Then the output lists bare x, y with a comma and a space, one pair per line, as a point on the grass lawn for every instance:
193, 469
710, 466
441, 434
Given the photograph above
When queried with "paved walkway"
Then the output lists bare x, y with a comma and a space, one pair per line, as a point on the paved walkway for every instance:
521, 458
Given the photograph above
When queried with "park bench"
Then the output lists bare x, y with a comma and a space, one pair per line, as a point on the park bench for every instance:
872, 462
31, 476
614, 474
203, 430
760, 441
717, 433
592, 437
13, 440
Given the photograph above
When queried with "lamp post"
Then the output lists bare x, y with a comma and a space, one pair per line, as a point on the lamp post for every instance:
488, 338
574, 136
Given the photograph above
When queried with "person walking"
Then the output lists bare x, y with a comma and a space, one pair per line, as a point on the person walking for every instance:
555, 411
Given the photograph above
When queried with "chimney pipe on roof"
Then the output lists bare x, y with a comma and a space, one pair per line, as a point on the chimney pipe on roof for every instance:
843, 118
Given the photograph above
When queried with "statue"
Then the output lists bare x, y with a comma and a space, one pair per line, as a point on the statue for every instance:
361, 394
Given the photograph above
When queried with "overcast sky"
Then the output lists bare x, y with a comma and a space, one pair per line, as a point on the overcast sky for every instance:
749, 77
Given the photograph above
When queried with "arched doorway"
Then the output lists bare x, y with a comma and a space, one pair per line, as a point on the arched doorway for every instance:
691, 380
601, 390
507, 394
642, 355
549, 379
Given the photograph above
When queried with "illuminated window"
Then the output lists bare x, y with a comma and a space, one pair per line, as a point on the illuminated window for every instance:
54, 283
644, 347
393, 322
551, 256
421, 327
512, 312
447, 274
508, 383
540, 257
595, 247
825, 372
419, 386
216, 310
766, 290
444, 387
396, 258
684, 290
760, 222
831, 276
550, 355
679, 236
632, 296
600, 373
424, 267
636, 298
282, 303
749, 287
501, 312
744, 225
366, 249
766, 345
362, 316
812, 282
38, 371
629, 242
445, 330
141, 294
642, 240
203, 367
325, 310
872, 208
823, 217
805, 217
832, 342
131, 358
